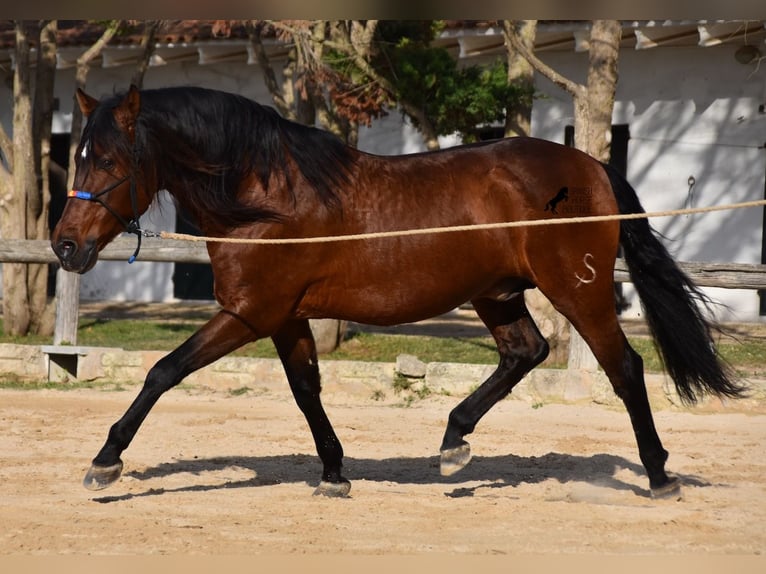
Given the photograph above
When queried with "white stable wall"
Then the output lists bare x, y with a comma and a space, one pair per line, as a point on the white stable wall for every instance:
691, 112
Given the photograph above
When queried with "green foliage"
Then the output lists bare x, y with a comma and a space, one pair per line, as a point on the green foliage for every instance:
453, 98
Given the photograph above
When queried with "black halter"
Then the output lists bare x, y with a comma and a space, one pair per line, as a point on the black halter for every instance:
132, 226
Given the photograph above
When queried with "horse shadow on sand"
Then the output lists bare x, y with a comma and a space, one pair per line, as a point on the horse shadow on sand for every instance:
495, 472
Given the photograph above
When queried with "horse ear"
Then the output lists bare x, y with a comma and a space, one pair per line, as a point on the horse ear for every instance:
87, 104
127, 110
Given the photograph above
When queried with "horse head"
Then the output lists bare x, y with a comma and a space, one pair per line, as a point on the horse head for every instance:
109, 194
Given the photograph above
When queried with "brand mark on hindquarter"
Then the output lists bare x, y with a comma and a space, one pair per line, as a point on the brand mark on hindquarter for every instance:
573, 200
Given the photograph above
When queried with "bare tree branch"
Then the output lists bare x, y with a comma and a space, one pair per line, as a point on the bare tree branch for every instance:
362, 35
147, 49
346, 46
81, 74
255, 31
95, 50
518, 118
511, 35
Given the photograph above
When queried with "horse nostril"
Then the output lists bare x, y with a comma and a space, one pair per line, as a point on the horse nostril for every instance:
65, 249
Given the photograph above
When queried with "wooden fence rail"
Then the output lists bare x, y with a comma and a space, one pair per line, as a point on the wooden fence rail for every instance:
726, 275
162, 250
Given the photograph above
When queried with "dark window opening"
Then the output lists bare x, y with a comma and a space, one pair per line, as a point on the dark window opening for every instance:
58, 187
490, 133
191, 281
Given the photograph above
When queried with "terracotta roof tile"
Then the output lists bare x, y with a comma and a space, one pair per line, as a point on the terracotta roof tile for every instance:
84, 33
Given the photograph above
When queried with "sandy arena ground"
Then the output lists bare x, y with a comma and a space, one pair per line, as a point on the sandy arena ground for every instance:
211, 473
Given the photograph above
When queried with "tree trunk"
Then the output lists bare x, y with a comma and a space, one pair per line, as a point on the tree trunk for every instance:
16, 315
593, 129
603, 55
518, 120
328, 334
38, 200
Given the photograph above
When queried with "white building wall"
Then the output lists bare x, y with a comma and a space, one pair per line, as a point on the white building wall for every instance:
691, 112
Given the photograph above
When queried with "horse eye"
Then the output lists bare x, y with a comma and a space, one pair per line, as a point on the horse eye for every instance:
105, 163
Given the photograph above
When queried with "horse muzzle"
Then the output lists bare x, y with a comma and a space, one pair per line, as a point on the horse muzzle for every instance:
73, 257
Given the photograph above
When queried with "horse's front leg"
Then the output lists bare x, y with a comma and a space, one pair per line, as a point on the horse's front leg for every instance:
222, 334
296, 348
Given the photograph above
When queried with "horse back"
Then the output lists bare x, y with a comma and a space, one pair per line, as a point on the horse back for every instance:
400, 279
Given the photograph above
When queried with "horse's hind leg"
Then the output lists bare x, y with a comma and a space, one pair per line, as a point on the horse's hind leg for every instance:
521, 348
593, 315
296, 348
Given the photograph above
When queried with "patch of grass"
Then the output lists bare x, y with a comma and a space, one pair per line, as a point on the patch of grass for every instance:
645, 347
748, 355
385, 348
12, 381
410, 389
134, 335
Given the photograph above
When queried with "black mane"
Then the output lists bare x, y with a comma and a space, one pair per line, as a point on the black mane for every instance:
207, 141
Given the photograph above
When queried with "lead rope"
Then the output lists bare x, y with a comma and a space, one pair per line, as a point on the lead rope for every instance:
472, 227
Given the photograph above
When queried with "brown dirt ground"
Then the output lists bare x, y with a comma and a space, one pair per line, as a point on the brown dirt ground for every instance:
215, 474
211, 474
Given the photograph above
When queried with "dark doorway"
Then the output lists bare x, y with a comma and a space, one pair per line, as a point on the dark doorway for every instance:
192, 281
58, 174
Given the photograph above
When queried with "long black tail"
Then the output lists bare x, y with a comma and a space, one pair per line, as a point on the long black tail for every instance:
673, 306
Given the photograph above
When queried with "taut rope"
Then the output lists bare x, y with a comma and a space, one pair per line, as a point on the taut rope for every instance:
454, 228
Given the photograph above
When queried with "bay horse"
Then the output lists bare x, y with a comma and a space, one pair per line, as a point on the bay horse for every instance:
243, 171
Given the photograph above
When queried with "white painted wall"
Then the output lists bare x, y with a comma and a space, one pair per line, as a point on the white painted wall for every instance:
691, 112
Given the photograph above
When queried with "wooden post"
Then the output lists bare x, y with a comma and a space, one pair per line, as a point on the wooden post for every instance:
67, 308
580, 356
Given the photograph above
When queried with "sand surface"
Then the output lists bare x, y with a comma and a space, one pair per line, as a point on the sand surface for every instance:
212, 473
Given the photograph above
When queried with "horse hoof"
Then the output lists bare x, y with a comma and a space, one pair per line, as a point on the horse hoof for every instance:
669, 490
455, 459
333, 489
99, 477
